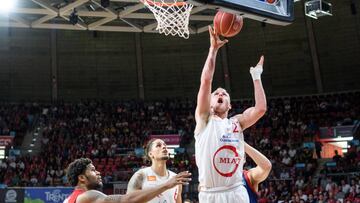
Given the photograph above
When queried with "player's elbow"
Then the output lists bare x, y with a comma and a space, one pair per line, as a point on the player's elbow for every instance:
267, 166
261, 110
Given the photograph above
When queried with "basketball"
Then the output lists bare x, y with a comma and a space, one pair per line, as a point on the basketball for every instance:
227, 24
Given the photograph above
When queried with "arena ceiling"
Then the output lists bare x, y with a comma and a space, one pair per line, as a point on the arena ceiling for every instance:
120, 16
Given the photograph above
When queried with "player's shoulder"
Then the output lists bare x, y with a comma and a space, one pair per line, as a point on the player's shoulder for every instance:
210, 120
201, 124
143, 171
236, 118
90, 196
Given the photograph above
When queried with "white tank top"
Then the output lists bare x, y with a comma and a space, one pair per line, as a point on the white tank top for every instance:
151, 180
219, 153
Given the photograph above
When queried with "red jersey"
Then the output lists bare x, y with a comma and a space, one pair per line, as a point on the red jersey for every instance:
73, 196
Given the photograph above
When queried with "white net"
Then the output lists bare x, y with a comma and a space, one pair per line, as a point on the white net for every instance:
172, 18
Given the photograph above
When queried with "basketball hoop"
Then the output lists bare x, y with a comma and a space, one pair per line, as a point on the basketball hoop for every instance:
172, 18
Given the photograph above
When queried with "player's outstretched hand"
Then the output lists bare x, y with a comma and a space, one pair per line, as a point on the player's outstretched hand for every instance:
215, 40
257, 70
182, 178
261, 60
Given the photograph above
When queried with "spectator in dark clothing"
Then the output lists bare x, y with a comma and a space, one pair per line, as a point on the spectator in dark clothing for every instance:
318, 148
336, 157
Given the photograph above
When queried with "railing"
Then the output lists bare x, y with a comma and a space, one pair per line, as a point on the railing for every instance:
340, 176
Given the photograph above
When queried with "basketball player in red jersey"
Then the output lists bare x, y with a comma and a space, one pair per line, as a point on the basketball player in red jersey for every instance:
219, 141
82, 174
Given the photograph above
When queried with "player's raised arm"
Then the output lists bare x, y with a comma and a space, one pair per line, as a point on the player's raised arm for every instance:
263, 165
253, 114
202, 111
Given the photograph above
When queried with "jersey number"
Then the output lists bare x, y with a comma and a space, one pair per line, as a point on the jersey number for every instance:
235, 130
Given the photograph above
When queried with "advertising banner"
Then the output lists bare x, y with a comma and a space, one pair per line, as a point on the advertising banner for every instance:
47, 195
344, 131
12, 195
338, 131
120, 187
171, 139
6, 140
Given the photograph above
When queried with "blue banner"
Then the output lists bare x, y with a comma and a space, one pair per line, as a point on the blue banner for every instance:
309, 145
47, 195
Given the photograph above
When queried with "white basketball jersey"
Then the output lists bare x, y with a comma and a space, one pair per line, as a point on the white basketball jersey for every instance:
219, 153
151, 180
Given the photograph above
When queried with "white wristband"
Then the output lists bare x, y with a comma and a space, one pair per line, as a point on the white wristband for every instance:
256, 72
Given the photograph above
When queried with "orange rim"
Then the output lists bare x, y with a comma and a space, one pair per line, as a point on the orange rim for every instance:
152, 3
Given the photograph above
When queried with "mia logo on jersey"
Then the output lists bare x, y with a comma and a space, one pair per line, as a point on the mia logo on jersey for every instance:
226, 160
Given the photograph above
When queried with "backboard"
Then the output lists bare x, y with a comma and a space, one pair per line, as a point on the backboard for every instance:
279, 12
133, 16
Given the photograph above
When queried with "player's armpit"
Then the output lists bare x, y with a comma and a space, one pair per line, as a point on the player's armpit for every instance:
250, 116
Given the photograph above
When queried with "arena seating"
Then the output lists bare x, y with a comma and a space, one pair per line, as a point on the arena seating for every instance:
108, 133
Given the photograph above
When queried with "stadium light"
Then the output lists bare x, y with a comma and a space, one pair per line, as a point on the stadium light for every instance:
6, 6
317, 8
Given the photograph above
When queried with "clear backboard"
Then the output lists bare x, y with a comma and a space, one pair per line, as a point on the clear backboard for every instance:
279, 12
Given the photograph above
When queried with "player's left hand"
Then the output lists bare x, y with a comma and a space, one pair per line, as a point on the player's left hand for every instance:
215, 40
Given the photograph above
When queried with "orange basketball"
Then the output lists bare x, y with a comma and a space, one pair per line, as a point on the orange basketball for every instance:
271, 1
227, 24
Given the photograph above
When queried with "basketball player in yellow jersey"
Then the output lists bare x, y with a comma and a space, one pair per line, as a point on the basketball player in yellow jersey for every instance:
157, 174
219, 146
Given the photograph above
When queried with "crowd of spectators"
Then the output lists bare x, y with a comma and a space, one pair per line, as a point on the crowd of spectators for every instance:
281, 134
108, 133
101, 131
17, 119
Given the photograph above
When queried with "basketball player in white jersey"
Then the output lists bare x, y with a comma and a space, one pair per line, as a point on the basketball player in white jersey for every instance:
83, 175
219, 146
156, 174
